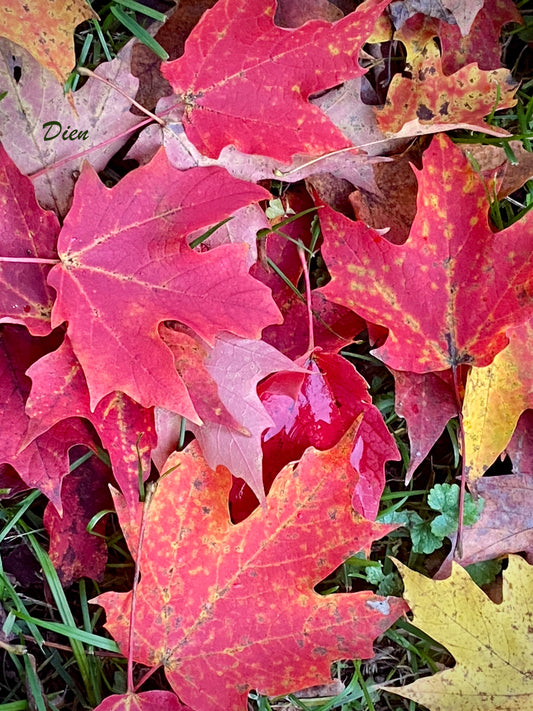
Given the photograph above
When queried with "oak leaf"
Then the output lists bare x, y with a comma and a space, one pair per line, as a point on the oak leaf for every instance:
126, 267
228, 608
45, 28
26, 231
491, 643
450, 293
280, 68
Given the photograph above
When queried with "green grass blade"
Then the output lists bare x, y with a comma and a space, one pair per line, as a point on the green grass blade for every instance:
73, 85
65, 613
102, 40
73, 633
207, 234
143, 9
139, 32
38, 703
24, 506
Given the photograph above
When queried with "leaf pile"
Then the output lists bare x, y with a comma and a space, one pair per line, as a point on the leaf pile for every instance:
206, 295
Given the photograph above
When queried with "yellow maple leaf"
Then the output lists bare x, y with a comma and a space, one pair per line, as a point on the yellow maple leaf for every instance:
492, 643
45, 28
495, 397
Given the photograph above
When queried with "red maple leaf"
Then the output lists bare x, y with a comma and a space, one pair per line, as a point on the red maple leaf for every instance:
244, 81
75, 553
237, 365
332, 396
43, 463
127, 430
449, 293
228, 608
145, 701
126, 267
427, 401
26, 231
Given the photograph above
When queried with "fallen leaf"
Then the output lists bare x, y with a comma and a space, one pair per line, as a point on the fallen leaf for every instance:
491, 643
393, 205
34, 98
482, 43
291, 14
243, 227
237, 365
145, 701
357, 121
190, 355
182, 154
75, 553
146, 65
43, 463
401, 11
520, 448
450, 293
219, 72
330, 399
10, 482
427, 402
210, 612
505, 523
27, 231
495, 397
427, 101
334, 326
493, 160
116, 286
59, 391
45, 28
464, 12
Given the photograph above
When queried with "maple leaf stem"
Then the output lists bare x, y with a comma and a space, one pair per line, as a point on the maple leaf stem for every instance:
150, 489
146, 676
30, 260
84, 72
458, 547
282, 173
307, 281
96, 147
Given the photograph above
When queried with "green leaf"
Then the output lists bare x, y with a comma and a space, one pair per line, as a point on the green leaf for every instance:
424, 540
387, 583
485, 572
445, 498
